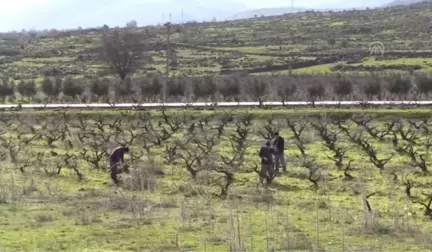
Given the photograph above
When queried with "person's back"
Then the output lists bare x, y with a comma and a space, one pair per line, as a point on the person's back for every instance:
279, 145
117, 154
266, 155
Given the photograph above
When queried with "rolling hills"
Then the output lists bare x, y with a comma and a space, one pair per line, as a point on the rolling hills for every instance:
306, 43
405, 2
267, 12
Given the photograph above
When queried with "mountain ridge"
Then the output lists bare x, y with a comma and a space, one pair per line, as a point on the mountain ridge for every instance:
71, 14
275, 11
404, 2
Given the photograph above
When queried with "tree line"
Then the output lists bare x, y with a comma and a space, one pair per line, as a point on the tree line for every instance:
126, 51
234, 88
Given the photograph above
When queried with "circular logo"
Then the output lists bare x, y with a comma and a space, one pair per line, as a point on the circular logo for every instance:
376, 48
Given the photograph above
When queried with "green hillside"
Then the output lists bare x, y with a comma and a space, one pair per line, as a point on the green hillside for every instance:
310, 42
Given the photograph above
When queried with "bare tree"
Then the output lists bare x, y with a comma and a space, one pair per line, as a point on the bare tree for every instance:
124, 50
132, 24
268, 129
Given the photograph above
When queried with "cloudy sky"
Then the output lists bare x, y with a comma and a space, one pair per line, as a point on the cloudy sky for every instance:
60, 14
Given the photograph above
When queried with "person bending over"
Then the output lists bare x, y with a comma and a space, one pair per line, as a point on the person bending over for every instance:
116, 159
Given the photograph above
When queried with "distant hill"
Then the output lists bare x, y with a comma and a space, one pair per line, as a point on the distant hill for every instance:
72, 14
267, 12
285, 10
151, 12
405, 2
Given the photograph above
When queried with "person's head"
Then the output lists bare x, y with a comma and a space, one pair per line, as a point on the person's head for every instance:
276, 134
267, 144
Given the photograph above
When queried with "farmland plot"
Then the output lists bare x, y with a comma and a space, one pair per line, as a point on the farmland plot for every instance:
356, 182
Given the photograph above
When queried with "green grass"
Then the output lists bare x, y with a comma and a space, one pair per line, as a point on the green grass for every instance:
263, 113
424, 62
50, 59
324, 68
318, 69
337, 23
27, 63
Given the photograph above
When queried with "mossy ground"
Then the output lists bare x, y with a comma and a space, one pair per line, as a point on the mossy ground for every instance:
58, 213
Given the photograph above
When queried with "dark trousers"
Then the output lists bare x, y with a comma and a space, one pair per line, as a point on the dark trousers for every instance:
279, 159
115, 169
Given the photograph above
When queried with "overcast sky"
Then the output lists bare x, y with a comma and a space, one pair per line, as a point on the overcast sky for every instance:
60, 14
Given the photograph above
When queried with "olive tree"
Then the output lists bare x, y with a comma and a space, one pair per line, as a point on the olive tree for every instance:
51, 88
27, 89
6, 90
99, 88
72, 89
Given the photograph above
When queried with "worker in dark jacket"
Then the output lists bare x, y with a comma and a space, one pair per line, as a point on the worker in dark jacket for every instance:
116, 161
279, 147
267, 164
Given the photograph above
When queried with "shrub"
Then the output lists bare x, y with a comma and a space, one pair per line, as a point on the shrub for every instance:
151, 88
27, 88
6, 90
331, 41
204, 87
132, 24
175, 87
143, 176
399, 85
51, 88
72, 89
344, 43
7, 51
372, 88
286, 90
424, 84
258, 89
229, 88
124, 88
343, 87
58, 82
100, 88
316, 91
